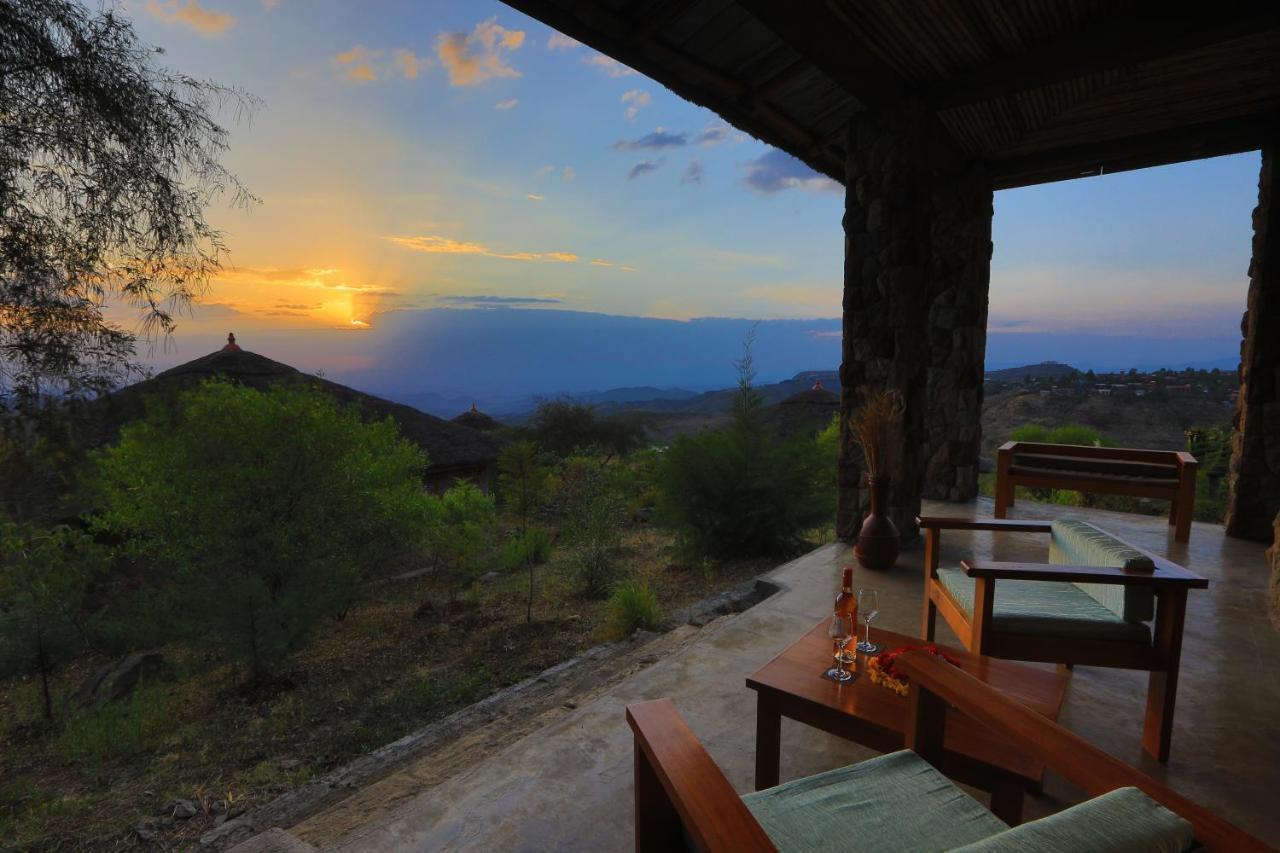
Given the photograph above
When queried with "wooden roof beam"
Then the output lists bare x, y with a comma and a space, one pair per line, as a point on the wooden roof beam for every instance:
1145, 35
1160, 148
811, 29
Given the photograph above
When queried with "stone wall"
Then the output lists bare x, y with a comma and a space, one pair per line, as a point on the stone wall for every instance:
1254, 478
917, 230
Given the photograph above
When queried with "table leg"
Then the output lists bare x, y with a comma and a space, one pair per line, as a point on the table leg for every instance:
768, 739
1006, 799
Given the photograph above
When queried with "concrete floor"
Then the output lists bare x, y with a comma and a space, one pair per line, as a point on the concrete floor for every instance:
568, 786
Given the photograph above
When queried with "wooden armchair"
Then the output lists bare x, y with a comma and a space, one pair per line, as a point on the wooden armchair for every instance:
1089, 604
683, 800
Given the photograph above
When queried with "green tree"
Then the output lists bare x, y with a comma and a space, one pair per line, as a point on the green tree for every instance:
263, 509
44, 574
109, 161
523, 482
741, 490
564, 428
464, 530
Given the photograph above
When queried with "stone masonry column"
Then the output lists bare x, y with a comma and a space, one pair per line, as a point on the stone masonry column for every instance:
1253, 499
917, 262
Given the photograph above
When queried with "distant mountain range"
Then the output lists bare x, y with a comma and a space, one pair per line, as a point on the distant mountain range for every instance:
1043, 370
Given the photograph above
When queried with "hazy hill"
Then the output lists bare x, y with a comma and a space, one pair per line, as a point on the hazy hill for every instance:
1043, 370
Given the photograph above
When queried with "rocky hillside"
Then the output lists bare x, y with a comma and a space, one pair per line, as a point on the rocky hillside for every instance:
1142, 422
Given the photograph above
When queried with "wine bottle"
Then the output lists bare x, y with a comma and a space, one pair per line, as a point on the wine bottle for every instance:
846, 601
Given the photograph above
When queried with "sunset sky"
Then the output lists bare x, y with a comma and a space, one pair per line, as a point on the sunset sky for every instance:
456, 154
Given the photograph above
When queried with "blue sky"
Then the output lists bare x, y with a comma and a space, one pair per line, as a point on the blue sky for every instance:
419, 156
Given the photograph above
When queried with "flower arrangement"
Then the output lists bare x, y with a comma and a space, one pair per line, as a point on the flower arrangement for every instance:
877, 428
882, 671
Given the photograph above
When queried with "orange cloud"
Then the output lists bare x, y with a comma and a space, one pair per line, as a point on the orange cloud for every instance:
410, 64
600, 262
638, 100
357, 63
437, 245
560, 41
609, 65
475, 58
191, 14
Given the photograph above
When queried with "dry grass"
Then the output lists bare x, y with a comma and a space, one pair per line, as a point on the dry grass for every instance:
390, 667
877, 428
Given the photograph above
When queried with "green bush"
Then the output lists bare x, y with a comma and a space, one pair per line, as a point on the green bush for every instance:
533, 548
125, 727
632, 606
741, 491
1065, 434
593, 514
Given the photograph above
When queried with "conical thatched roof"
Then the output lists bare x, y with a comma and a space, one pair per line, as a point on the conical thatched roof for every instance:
477, 419
807, 412
450, 447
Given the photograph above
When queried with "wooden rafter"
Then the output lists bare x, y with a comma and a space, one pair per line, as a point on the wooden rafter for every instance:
1138, 37
1138, 151
815, 32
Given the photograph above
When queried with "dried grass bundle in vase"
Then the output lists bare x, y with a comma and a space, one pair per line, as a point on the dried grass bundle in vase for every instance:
877, 427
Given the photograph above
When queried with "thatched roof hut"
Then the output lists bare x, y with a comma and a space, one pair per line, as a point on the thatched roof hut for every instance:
453, 450
804, 413
476, 419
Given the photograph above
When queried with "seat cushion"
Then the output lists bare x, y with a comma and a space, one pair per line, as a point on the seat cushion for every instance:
1121, 821
1078, 543
1045, 609
897, 802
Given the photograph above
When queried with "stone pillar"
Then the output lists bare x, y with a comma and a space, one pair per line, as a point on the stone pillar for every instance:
1253, 498
917, 265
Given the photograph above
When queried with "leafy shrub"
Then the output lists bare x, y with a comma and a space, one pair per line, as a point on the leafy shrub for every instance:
742, 491
466, 517
632, 606
593, 515
125, 727
532, 548
1065, 434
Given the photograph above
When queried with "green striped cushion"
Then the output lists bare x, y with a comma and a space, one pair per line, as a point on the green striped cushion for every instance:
1078, 543
896, 803
1121, 821
1045, 608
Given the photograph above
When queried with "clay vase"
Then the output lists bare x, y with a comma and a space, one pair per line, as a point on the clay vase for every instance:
878, 541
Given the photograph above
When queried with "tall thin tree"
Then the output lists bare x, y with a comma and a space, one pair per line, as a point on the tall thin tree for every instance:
107, 163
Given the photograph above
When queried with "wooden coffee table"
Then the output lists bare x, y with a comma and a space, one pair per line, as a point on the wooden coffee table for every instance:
791, 685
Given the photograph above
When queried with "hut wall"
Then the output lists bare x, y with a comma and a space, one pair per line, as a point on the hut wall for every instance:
917, 229
1254, 480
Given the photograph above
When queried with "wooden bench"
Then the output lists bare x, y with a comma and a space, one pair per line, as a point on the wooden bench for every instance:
1163, 474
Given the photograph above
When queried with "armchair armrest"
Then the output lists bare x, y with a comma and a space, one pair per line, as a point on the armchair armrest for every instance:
994, 570
679, 785
935, 683
1010, 525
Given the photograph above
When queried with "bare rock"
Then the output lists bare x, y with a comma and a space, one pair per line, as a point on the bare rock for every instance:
179, 809
117, 680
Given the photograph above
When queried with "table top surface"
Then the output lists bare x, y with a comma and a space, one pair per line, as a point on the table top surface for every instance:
795, 674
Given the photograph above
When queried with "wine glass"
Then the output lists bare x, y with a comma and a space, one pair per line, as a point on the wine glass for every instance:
840, 631
868, 609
